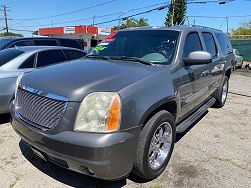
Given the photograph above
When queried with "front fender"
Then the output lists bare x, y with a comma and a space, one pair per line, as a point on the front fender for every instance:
143, 97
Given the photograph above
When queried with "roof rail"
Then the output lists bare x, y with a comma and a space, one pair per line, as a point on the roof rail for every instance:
205, 27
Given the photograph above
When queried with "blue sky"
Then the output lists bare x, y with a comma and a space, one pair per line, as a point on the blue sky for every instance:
22, 9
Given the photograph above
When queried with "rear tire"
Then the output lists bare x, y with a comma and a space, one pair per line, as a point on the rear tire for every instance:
221, 94
155, 146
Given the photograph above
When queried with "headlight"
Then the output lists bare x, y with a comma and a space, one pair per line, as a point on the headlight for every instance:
18, 82
99, 112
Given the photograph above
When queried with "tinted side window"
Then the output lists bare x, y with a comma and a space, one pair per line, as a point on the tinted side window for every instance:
210, 44
73, 54
225, 43
45, 42
192, 44
20, 43
50, 57
29, 63
70, 43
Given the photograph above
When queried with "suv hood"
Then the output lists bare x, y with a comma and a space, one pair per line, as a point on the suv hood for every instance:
75, 79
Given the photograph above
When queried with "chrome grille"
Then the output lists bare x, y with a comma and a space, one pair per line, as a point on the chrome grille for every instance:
39, 111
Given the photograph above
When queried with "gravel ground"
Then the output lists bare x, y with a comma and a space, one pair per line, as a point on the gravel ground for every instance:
216, 152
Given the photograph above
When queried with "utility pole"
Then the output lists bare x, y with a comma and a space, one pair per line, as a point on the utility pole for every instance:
93, 21
173, 5
51, 22
227, 24
5, 10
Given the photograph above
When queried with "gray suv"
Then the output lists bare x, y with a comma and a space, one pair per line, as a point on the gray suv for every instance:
119, 110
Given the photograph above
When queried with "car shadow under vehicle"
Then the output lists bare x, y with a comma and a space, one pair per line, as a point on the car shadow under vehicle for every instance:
4, 118
78, 180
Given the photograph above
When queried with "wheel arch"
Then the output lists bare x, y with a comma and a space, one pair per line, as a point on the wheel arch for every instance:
168, 104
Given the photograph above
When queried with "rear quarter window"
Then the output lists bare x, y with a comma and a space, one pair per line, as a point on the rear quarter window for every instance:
28, 63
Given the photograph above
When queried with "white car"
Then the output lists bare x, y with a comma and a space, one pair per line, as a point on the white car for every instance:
238, 58
16, 61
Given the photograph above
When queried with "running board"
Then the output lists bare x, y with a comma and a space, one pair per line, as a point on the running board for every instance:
181, 127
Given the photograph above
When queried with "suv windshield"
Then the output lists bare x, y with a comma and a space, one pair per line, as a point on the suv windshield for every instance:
153, 46
8, 54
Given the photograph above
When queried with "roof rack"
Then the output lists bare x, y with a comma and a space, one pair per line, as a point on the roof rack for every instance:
205, 27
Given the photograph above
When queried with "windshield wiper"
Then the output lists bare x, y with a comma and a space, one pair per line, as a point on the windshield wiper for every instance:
97, 56
135, 59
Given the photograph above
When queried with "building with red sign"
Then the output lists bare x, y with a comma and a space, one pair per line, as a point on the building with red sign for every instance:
89, 36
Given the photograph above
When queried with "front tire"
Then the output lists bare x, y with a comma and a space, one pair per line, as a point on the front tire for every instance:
155, 146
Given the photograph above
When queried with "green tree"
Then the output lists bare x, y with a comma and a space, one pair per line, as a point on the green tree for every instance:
142, 22
131, 22
10, 34
243, 32
176, 13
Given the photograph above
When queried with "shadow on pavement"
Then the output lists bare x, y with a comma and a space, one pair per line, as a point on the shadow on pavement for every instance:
79, 180
4, 118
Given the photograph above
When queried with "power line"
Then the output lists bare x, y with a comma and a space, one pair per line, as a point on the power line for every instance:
233, 16
164, 5
21, 30
110, 1
161, 8
96, 17
145, 12
63, 14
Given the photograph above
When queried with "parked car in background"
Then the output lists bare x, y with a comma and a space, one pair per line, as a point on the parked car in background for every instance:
38, 41
15, 61
118, 110
238, 58
248, 66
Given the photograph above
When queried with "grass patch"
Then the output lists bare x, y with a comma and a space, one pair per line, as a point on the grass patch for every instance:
155, 186
14, 182
230, 161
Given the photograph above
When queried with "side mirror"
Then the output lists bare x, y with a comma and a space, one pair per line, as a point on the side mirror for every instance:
198, 58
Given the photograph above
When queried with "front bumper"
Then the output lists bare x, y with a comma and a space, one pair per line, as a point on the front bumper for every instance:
106, 156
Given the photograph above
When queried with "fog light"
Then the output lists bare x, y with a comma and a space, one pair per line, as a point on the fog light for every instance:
87, 171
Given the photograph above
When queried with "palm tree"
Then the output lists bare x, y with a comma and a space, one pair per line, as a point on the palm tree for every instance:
132, 22
142, 22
